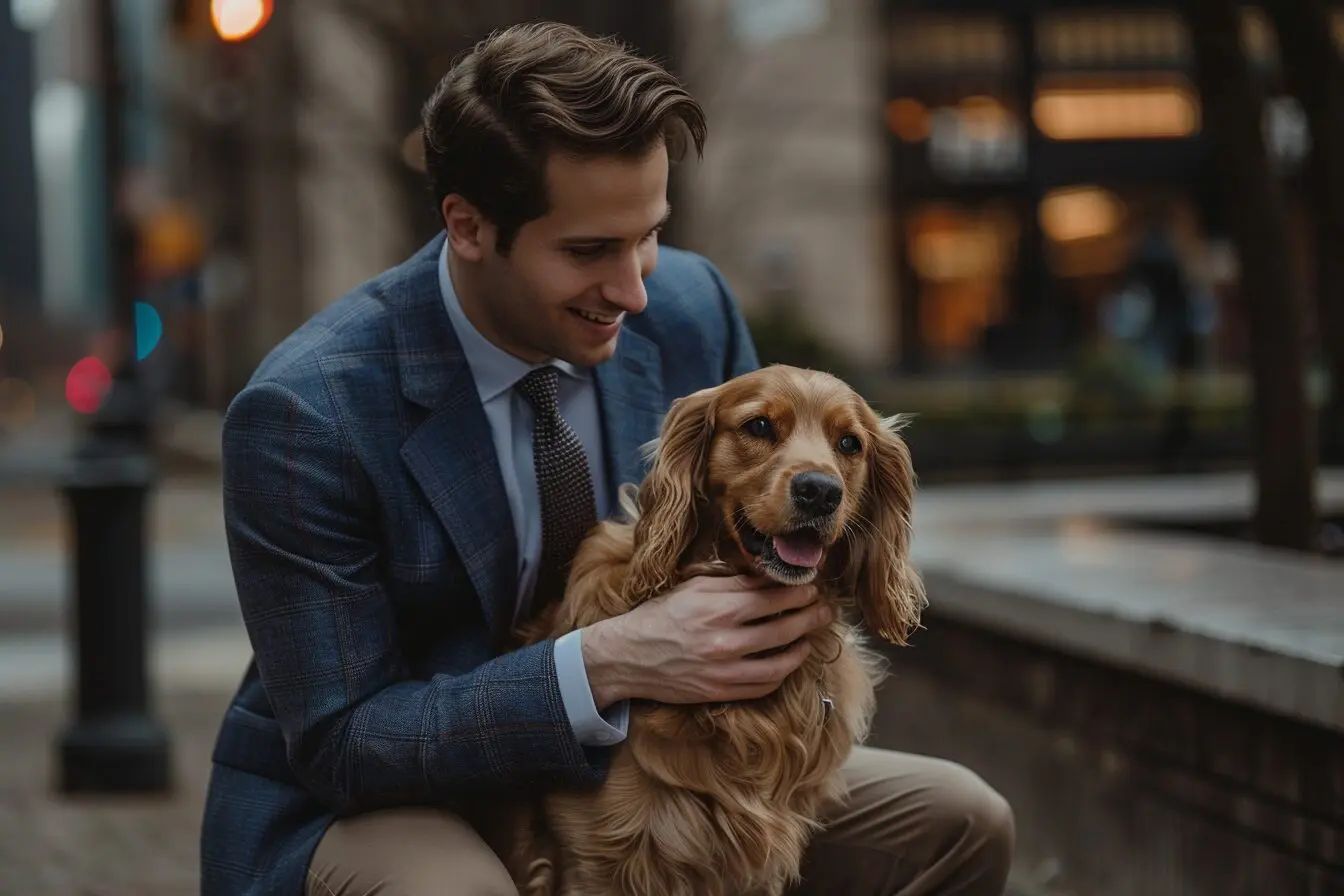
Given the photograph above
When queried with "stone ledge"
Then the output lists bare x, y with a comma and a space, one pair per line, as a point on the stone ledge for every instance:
1122, 783
1051, 563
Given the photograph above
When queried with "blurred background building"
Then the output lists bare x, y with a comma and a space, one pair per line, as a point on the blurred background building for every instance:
959, 204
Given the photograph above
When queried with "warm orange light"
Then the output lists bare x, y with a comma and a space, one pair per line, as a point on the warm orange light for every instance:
983, 117
1116, 113
236, 20
908, 119
1079, 213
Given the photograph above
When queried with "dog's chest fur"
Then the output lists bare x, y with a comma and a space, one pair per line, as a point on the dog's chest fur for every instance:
712, 801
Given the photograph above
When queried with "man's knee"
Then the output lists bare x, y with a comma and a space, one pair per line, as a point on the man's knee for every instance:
406, 852
971, 817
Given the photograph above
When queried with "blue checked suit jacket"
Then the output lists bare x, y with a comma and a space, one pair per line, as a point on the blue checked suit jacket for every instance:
375, 559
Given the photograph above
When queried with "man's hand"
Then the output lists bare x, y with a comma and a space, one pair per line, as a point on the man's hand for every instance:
695, 644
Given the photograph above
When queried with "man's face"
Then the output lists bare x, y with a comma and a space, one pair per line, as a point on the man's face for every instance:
571, 276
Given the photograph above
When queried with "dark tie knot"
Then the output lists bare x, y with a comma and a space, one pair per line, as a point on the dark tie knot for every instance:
541, 388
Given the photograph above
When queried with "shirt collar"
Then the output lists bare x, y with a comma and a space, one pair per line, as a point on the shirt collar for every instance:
494, 369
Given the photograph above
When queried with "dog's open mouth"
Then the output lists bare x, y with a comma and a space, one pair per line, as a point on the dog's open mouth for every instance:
791, 558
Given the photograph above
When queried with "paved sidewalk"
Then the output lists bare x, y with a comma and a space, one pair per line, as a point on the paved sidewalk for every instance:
56, 846
131, 846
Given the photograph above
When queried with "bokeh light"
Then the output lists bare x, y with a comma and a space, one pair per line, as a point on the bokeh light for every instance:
87, 384
236, 20
148, 329
2, 336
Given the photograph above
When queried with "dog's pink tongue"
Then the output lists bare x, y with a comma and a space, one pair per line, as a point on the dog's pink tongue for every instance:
799, 549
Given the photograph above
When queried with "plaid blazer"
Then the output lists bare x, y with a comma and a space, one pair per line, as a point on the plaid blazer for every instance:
374, 557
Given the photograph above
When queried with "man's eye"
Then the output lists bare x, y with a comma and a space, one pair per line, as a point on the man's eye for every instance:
585, 251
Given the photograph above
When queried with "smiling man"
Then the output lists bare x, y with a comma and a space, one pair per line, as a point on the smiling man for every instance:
410, 473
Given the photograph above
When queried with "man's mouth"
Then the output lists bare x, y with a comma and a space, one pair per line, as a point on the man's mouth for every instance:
593, 317
790, 557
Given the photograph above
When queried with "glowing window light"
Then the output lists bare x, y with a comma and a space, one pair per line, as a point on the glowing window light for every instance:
1130, 113
237, 20
87, 385
944, 256
1079, 213
984, 117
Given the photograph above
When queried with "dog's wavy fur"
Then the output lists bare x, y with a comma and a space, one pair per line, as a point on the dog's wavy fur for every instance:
721, 799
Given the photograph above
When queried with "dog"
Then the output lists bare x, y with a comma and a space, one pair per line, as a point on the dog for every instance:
784, 472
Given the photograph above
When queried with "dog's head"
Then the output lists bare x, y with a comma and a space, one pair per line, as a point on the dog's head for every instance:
793, 473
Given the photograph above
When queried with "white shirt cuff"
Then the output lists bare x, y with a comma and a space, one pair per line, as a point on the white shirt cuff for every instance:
593, 729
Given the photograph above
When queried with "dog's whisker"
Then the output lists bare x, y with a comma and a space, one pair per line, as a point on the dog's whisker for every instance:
871, 530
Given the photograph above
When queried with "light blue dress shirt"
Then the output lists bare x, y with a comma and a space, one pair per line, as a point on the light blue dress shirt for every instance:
496, 372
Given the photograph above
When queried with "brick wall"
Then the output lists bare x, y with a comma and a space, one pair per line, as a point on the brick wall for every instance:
1123, 784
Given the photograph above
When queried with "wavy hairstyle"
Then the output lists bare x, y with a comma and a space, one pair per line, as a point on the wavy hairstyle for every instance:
539, 88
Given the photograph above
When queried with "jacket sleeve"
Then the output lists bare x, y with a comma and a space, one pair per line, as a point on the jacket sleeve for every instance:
359, 733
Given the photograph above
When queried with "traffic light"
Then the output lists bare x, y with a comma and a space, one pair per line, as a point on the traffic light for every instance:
231, 21
238, 20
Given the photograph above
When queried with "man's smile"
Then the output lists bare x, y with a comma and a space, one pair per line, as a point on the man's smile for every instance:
596, 318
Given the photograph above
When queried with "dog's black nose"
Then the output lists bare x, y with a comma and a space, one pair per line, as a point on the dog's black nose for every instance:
816, 494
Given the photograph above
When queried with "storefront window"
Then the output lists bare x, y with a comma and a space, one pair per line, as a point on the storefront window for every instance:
961, 257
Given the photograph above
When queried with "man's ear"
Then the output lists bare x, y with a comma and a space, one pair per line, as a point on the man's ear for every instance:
470, 235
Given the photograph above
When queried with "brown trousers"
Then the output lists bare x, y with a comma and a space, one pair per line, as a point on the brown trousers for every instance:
912, 826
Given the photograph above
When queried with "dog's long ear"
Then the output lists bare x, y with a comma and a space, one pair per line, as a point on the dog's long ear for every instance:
887, 589
671, 495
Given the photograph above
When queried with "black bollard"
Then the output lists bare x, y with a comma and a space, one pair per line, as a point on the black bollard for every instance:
114, 745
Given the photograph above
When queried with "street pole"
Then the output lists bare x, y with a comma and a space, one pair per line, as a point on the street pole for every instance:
114, 744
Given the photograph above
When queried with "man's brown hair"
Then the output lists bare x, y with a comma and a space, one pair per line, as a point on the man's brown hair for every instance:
540, 88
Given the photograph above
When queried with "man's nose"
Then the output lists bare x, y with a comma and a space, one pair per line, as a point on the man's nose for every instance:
625, 288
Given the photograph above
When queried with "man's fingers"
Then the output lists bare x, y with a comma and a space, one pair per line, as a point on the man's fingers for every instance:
763, 604
748, 583
789, 628
770, 670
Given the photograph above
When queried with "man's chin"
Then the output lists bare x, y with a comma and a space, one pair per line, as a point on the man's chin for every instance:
591, 355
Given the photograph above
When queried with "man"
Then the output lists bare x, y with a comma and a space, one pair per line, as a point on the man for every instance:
410, 472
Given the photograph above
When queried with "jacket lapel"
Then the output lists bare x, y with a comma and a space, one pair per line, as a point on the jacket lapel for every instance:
630, 394
451, 454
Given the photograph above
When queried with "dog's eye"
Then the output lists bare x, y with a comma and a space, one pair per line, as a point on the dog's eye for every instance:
759, 427
850, 444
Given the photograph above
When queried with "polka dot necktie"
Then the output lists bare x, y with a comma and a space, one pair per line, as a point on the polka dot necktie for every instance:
564, 484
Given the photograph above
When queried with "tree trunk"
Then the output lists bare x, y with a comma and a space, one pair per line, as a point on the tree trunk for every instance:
1285, 453
1315, 75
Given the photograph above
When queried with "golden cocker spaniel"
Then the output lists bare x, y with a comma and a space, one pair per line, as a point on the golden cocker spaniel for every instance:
782, 471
